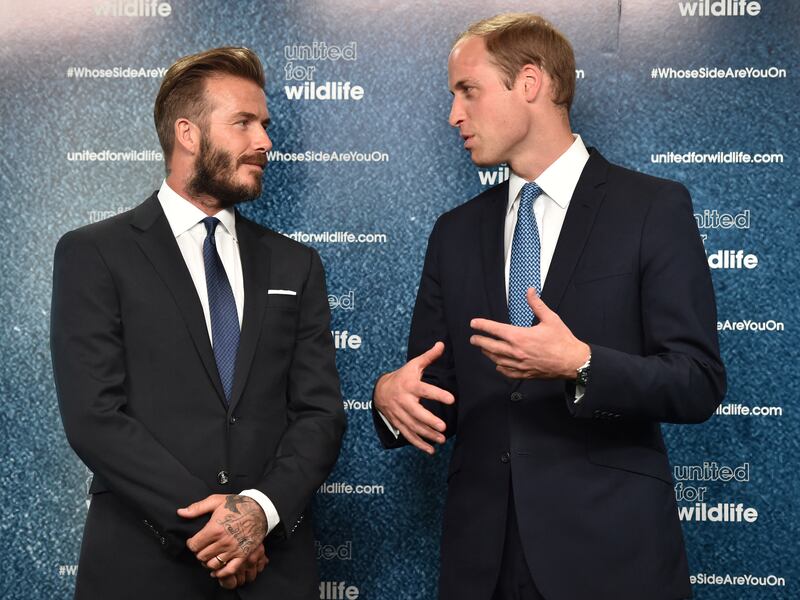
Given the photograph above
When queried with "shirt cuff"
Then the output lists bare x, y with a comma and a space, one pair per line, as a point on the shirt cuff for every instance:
580, 390
266, 505
395, 432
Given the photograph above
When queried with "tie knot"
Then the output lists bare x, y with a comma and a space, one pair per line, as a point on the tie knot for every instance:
211, 225
530, 192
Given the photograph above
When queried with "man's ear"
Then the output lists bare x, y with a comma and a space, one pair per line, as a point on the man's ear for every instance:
531, 77
187, 136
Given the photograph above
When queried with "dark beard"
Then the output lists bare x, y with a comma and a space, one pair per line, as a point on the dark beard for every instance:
213, 176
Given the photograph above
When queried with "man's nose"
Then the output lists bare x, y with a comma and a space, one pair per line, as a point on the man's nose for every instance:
263, 143
456, 113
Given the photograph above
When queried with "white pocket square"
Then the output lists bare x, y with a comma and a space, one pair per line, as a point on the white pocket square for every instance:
282, 292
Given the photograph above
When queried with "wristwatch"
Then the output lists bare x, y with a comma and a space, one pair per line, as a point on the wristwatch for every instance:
583, 373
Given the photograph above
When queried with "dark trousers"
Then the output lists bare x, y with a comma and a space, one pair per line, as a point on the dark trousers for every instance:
515, 581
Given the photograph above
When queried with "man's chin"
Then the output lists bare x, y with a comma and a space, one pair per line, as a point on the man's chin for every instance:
232, 197
252, 180
247, 191
241, 199
483, 161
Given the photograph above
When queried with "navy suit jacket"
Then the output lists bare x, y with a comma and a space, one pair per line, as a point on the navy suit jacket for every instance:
591, 480
143, 405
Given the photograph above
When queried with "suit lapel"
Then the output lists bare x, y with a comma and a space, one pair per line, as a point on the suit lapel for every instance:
492, 223
158, 244
583, 207
255, 255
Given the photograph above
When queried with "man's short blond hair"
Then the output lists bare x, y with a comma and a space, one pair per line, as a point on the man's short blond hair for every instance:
182, 92
514, 40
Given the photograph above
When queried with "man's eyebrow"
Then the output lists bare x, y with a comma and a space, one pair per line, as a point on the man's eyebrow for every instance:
251, 117
464, 83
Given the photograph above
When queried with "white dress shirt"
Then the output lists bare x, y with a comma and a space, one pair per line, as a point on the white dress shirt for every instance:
557, 183
185, 220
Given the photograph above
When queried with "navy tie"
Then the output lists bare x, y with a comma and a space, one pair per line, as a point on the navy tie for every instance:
222, 306
524, 271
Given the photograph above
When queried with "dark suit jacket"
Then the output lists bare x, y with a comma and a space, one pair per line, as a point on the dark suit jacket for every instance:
143, 405
591, 481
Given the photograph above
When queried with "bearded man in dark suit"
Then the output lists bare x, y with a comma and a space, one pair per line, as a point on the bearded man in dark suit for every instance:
194, 364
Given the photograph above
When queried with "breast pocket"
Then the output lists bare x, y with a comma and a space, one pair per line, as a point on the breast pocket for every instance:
602, 304
602, 278
281, 316
282, 302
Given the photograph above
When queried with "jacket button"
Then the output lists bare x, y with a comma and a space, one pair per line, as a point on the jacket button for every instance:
233, 420
222, 477
516, 397
505, 457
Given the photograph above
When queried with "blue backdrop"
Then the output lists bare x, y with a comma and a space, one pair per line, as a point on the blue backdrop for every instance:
700, 91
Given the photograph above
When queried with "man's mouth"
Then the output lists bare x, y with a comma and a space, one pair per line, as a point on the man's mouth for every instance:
255, 160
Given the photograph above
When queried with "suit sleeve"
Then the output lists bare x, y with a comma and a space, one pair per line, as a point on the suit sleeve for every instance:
428, 326
311, 442
88, 353
680, 377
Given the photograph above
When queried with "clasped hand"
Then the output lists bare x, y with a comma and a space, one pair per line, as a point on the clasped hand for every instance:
231, 543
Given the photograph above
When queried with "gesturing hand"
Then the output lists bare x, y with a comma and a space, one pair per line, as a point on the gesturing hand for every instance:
397, 396
548, 350
236, 528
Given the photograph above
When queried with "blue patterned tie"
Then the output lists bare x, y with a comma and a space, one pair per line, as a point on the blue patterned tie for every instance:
525, 258
222, 306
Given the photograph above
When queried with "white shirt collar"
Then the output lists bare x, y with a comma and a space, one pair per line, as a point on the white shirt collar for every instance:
182, 215
558, 180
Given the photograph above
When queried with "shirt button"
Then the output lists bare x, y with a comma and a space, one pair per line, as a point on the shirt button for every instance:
516, 397
222, 477
505, 457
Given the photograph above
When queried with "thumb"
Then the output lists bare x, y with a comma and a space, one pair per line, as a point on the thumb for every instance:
195, 509
430, 356
539, 308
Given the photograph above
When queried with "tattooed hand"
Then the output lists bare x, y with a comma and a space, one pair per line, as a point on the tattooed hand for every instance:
247, 572
236, 528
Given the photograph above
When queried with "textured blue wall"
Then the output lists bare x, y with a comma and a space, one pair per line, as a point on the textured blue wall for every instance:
384, 541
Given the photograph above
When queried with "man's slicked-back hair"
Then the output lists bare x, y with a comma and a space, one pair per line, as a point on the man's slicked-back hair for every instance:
182, 91
514, 40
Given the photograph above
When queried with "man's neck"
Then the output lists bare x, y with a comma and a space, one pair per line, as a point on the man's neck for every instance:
206, 203
547, 143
